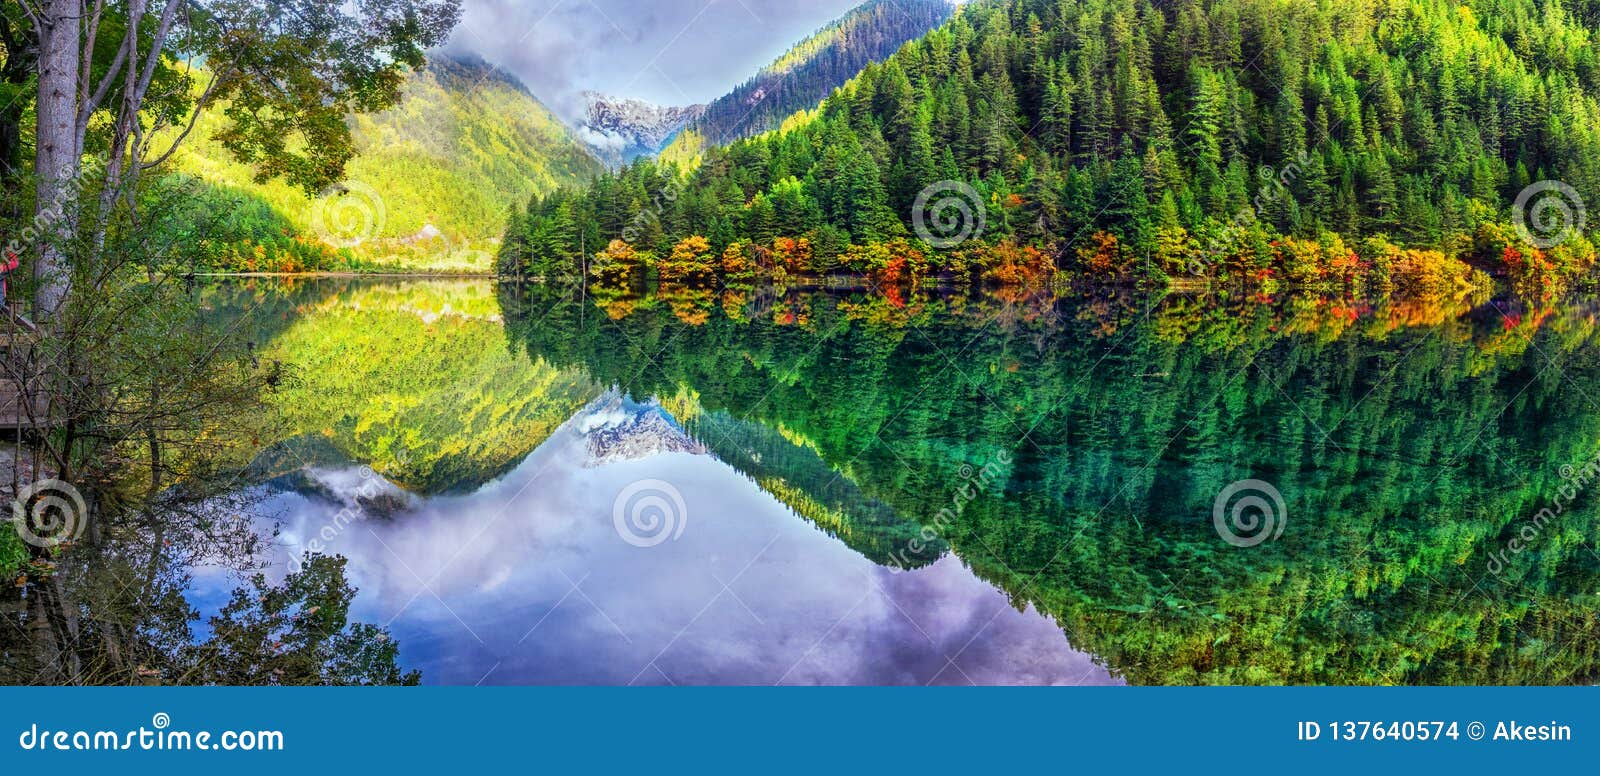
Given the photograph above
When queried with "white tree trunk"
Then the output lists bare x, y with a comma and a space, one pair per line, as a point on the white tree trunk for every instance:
58, 156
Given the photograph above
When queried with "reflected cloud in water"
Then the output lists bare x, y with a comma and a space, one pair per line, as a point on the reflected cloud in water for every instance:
528, 581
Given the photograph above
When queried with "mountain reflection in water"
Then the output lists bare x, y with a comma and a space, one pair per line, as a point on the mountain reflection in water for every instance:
1021, 453
529, 580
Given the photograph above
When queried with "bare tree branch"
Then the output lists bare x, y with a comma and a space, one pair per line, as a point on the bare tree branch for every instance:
33, 14
93, 101
90, 38
157, 44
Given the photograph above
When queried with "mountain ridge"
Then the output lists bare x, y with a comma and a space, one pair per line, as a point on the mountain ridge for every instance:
621, 129
807, 72
867, 33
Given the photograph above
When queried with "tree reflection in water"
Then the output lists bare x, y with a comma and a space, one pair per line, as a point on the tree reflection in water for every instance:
113, 611
1411, 439
164, 468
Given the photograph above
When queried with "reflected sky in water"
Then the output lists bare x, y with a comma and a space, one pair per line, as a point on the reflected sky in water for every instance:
528, 581
510, 570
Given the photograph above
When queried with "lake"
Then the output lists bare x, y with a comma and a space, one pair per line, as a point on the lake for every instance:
551, 484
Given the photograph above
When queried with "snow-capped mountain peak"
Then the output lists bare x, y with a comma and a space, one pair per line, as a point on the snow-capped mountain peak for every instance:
620, 129
620, 429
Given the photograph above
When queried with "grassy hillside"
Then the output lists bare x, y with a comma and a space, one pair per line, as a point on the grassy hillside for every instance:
465, 144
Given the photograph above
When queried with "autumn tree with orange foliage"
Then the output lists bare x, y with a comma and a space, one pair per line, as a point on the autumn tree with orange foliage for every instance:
890, 263
1103, 258
1537, 274
1014, 264
691, 258
616, 263
793, 255
736, 263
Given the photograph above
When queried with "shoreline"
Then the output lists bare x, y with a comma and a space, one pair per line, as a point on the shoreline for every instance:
348, 274
1185, 286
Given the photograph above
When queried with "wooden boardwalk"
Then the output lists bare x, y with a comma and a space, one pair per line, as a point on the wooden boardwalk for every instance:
15, 410
20, 410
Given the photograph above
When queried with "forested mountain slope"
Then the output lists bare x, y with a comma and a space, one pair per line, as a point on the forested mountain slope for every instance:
805, 74
1196, 133
466, 143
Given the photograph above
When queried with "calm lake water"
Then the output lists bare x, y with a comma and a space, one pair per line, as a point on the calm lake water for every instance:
554, 485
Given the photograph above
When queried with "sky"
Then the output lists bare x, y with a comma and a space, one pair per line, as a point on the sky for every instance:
670, 52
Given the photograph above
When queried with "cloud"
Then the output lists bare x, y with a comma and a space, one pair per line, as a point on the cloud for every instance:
547, 591
602, 139
669, 52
